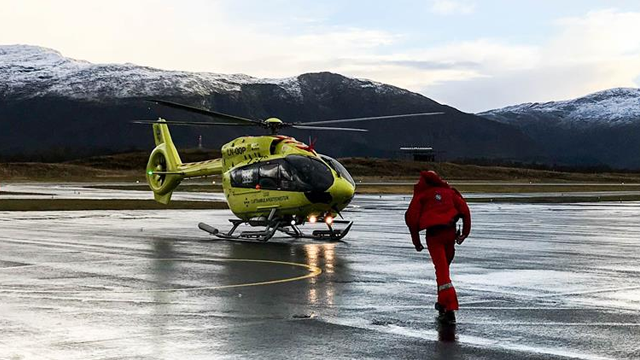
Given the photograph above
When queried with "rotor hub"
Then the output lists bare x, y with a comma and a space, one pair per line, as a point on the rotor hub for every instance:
273, 124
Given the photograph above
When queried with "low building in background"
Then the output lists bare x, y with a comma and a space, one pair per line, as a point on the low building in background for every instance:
419, 153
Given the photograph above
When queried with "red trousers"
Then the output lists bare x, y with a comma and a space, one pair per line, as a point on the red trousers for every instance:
441, 245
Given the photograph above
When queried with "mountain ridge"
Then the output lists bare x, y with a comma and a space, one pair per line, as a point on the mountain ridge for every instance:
612, 107
53, 102
26, 65
598, 128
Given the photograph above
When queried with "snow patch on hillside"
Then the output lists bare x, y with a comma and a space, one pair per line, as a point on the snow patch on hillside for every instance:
32, 71
612, 107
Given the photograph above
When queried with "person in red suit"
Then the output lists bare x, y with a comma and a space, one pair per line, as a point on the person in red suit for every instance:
436, 207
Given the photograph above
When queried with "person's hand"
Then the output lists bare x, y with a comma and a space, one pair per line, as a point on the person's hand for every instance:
460, 239
419, 247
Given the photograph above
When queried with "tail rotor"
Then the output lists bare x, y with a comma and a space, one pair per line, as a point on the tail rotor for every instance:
159, 168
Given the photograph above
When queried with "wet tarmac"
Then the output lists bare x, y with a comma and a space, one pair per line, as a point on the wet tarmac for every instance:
97, 191
534, 281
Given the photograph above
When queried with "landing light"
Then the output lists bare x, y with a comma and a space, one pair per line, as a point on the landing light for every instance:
293, 222
328, 219
313, 219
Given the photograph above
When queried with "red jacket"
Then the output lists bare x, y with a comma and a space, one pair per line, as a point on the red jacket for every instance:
435, 203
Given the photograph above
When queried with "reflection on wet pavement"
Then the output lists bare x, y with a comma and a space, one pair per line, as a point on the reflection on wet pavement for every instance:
535, 281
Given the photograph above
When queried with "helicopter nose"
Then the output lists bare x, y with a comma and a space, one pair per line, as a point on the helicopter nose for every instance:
342, 192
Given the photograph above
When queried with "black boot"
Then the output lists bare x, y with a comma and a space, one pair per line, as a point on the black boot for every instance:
444, 316
440, 308
449, 317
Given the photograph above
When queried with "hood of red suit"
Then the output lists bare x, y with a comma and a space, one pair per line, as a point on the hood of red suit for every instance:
429, 179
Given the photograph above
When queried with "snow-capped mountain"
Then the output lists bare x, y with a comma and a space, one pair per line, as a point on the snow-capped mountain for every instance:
600, 128
31, 71
50, 103
613, 107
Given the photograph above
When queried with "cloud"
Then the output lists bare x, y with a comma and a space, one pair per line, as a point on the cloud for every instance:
597, 51
540, 84
163, 35
450, 7
597, 36
421, 70
434, 65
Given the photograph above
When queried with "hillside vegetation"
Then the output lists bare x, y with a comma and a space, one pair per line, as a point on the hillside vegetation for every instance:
130, 166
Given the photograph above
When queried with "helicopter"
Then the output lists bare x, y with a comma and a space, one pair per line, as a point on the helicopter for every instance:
272, 182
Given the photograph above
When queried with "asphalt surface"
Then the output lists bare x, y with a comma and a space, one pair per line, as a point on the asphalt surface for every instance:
534, 282
93, 191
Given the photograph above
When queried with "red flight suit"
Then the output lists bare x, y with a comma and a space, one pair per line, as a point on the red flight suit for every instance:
436, 207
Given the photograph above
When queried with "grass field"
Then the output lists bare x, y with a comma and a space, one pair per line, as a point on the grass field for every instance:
373, 176
131, 167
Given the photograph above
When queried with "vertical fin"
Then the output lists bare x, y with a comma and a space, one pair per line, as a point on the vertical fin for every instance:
164, 158
161, 135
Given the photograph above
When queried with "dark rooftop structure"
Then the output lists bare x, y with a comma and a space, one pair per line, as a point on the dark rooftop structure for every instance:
419, 153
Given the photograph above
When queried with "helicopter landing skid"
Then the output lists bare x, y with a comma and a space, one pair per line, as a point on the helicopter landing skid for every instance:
332, 233
259, 235
270, 228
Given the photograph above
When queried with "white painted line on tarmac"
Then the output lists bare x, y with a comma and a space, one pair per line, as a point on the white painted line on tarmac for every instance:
473, 341
550, 323
312, 271
587, 292
545, 308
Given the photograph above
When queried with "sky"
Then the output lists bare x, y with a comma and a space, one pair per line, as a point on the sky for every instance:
474, 55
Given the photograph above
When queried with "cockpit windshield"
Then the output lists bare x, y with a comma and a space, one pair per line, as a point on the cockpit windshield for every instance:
310, 173
339, 168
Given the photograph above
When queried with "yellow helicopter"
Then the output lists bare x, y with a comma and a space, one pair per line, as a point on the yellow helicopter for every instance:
273, 182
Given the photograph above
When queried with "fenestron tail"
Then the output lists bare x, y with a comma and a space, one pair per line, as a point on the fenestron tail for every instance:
165, 169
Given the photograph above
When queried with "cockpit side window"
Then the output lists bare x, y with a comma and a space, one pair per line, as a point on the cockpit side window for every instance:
245, 177
293, 173
287, 180
270, 176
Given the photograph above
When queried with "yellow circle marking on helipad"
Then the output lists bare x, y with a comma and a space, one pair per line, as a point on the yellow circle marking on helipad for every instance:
313, 272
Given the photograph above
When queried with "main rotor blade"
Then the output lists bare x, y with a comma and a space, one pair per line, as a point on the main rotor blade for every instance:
304, 127
189, 123
213, 114
369, 118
